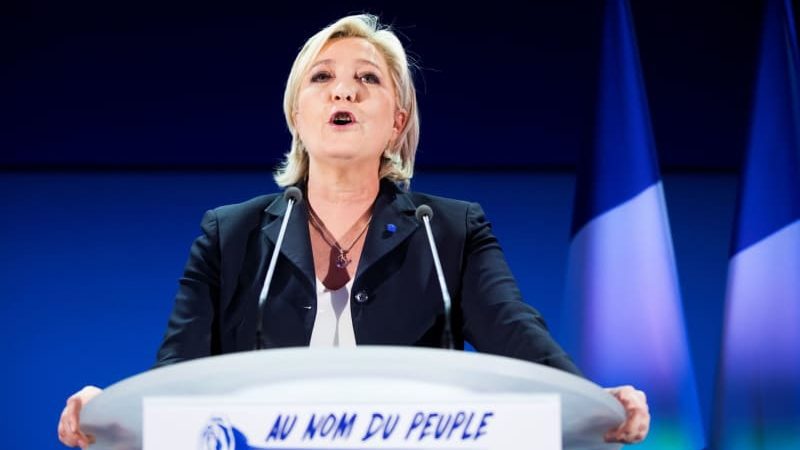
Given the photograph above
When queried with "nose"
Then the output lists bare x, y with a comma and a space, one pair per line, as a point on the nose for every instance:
345, 90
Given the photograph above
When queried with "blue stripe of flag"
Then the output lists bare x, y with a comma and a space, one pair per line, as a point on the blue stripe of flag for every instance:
624, 140
770, 190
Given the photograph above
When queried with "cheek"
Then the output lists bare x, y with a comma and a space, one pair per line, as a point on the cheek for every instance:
387, 119
299, 125
305, 110
303, 117
381, 126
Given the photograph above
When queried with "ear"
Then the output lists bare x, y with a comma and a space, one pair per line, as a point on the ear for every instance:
400, 118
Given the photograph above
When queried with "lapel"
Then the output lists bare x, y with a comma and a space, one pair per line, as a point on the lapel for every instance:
392, 207
296, 245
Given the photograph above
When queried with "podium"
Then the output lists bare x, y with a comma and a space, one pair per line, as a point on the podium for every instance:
364, 374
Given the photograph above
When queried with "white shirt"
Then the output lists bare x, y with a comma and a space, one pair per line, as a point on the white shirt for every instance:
333, 325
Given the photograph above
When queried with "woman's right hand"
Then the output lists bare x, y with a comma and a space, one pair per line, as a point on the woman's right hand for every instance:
69, 427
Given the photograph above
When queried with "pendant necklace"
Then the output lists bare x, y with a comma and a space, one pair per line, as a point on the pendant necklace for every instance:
342, 260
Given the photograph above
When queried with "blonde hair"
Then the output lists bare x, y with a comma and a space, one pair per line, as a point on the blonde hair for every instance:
397, 162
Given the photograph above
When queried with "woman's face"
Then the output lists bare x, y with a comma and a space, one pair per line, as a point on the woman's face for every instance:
346, 108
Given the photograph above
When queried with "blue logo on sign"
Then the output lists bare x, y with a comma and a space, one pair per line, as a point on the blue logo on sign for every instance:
219, 434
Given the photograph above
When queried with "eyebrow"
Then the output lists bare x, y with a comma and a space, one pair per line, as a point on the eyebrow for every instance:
360, 60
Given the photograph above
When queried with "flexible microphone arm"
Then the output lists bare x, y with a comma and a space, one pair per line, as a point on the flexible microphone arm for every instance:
292, 195
424, 213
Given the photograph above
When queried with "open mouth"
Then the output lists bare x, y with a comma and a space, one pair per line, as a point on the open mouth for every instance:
342, 118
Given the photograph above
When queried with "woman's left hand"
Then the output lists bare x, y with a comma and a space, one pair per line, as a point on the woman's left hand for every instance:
637, 416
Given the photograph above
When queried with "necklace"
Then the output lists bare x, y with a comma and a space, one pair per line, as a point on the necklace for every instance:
342, 259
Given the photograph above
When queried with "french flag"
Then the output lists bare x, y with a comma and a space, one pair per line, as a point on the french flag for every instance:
757, 401
623, 304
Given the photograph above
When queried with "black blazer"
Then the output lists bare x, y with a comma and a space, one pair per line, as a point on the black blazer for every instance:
396, 298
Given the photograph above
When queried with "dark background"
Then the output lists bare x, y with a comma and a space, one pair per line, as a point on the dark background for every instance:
121, 122
198, 84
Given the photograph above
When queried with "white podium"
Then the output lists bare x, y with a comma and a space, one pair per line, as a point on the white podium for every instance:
376, 374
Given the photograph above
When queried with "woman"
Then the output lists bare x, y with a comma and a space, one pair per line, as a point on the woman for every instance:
355, 266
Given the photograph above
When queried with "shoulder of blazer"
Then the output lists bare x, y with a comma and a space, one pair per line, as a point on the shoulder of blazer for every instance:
444, 209
420, 198
242, 216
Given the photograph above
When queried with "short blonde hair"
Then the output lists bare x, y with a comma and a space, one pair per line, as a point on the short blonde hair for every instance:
397, 163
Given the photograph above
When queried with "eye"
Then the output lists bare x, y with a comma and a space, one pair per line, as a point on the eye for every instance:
321, 76
369, 78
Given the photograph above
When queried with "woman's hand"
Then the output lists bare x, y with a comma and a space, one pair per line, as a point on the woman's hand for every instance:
637, 416
69, 429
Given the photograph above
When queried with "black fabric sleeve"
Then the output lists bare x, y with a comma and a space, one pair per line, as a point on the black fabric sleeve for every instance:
496, 319
189, 332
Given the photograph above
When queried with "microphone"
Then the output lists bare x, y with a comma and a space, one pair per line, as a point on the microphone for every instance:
292, 195
424, 214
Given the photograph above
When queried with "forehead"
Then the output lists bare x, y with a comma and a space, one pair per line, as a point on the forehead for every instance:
350, 50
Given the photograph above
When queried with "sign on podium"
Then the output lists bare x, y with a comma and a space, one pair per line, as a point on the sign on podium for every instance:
359, 398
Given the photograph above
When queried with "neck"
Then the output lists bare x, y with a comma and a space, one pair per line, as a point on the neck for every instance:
340, 186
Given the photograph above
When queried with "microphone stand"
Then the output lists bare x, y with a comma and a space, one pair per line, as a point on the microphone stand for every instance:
424, 213
292, 195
